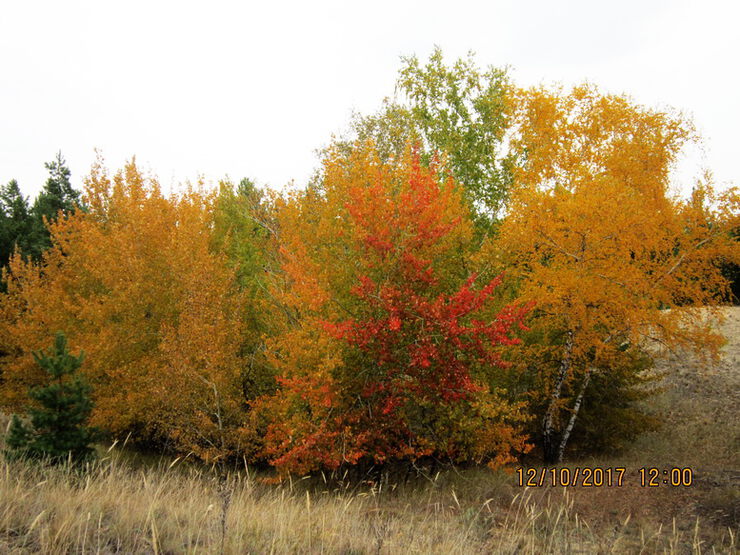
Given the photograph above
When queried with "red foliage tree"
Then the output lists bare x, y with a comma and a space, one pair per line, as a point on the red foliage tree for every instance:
409, 372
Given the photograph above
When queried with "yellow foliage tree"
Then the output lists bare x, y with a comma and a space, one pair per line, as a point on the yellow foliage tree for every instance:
594, 237
132, 282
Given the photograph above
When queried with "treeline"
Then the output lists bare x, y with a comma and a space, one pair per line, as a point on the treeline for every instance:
22, 224
476, 271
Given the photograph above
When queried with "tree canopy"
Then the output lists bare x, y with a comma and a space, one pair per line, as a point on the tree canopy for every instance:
471, 266
595, 238
458, 111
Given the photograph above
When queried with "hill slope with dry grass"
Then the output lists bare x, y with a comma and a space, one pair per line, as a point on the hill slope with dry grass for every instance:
170, 507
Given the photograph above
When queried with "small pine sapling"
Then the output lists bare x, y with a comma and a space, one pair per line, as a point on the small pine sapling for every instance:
57, 428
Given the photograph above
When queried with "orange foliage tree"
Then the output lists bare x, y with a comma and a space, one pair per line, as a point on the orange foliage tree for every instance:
132, 281
593, 235
385, 353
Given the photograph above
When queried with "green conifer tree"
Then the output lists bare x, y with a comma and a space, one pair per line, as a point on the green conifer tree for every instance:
56, 196
15, 221
57, 429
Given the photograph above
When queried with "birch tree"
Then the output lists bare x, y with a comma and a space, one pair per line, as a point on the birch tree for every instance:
594, 236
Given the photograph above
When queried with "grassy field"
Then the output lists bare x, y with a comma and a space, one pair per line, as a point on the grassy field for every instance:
123, 506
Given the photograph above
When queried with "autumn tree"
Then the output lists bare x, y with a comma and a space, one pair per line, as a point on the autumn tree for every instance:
385, 354
593, 235
137, 285
458, 111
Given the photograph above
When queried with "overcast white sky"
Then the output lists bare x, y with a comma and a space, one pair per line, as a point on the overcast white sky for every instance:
251, 89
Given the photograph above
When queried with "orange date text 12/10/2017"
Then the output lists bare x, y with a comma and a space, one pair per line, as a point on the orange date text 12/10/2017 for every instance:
603, 477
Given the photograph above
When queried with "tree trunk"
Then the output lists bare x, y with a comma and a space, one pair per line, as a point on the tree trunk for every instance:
548, 432
572, 421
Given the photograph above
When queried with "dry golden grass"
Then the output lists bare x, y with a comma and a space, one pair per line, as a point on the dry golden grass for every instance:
113, 508
119, 506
